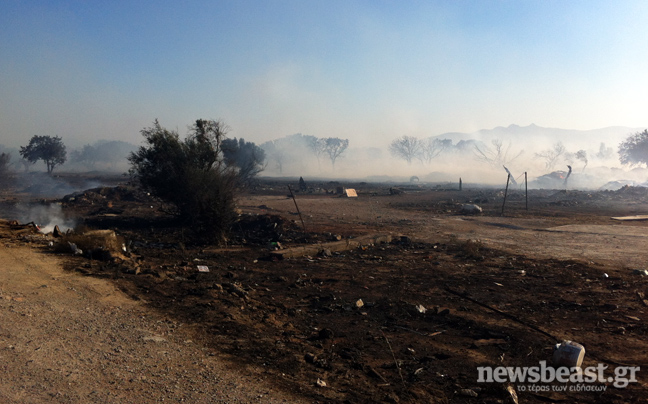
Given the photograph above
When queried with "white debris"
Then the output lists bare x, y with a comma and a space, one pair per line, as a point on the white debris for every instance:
470, 209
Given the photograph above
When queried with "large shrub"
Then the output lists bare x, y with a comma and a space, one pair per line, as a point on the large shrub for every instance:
634, 150
190, 174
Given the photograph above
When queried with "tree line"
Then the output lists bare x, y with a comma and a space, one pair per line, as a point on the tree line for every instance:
197, 178
253, 159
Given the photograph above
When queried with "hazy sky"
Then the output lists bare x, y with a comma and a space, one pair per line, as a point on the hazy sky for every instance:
368, 70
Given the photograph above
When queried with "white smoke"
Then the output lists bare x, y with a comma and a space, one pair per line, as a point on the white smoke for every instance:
45, 216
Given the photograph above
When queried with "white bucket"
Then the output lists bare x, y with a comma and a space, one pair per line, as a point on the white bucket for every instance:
569, 354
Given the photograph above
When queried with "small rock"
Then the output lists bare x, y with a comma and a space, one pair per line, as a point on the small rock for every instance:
443, 311
326, 253
155, 338
325, 333
310, 358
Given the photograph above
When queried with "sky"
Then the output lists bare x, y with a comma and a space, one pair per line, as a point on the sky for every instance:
369, 71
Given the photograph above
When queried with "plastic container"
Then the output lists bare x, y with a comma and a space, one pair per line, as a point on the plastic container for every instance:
569, 354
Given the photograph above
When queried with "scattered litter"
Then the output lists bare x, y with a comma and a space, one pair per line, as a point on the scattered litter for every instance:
569, 354
350, 193
320, 383
631, 218
511, 390
642, 297
641, 272
359, 303
468, 393
75, 250
203, 268
470, 209
420, 308
273, 246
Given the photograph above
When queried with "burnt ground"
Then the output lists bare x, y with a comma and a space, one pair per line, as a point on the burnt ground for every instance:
405, 321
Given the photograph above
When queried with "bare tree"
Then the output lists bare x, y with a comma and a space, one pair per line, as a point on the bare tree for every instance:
604, 152
430, 148
318, 147
334, 147
552, 156
582, 156
407, 148
498, 155
276, 153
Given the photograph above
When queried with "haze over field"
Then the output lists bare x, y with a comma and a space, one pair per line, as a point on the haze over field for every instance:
369, 71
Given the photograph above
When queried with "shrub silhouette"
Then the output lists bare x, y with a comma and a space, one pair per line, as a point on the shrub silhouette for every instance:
191, 175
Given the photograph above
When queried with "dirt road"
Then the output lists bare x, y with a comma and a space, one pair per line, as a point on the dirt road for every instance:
67, 338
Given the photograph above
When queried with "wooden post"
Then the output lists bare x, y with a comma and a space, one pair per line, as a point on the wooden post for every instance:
460, 184
508, 179
526, 191
298, 212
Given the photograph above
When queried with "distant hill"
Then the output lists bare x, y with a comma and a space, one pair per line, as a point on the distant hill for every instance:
537, 137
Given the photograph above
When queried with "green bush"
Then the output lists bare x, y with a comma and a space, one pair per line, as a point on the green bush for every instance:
191, 175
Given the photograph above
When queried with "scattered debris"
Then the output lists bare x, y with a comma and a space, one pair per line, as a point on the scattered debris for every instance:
336, 246
155, 338
642, 297
569, 354
350, 193
74, 249
326, 253
274, 245
320, 383
631, 218
514, 397
642, 272
468, 393
359, 303
203, 268
487, 342
470, 209
420, 308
